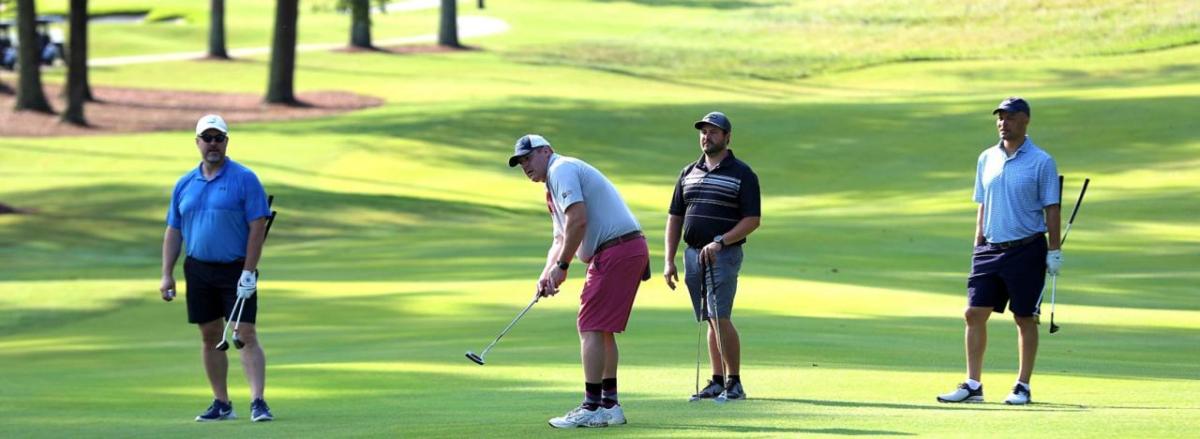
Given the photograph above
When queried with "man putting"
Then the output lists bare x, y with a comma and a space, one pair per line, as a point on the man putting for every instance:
716, 205
219, 210
590, 221
1017, 188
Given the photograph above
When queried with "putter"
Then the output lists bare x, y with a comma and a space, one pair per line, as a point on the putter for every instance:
715, 321
1054, 279
699, 337
478, 359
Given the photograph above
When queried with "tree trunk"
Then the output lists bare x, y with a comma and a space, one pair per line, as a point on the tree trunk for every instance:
76, 90
30, 95
360, 23
280, 84
480, 3
216, 30
448, 30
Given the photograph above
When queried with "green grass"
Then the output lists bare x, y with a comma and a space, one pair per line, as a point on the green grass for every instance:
403, 241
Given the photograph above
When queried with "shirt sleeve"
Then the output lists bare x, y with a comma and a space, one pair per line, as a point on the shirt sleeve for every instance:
750, 197
1050, 194
174, 217
678, 206
566, 186
979, 178
255, 197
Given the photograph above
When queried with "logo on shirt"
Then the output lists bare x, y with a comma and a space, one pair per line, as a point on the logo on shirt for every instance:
566, 194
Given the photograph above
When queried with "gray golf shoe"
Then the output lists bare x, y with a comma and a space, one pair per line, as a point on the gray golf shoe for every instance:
734, 392
963, 394
711, 391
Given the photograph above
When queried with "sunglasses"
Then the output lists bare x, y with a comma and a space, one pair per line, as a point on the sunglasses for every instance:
213, 139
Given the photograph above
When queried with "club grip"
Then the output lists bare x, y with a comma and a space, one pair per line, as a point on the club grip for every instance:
1079, 201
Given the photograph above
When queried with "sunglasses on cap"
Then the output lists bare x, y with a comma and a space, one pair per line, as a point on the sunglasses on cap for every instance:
216, 138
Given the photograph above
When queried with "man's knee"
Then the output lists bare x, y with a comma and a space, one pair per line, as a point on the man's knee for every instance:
975, 315
1026, 322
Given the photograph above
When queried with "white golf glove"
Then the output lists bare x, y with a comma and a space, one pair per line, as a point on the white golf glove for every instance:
247, 285
1053, 262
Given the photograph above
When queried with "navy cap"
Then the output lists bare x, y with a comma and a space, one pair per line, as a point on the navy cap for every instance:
717, 119
1013, 104
525, 145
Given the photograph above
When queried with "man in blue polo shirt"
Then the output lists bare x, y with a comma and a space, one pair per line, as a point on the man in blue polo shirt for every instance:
1017, 188
716, 205
218, 213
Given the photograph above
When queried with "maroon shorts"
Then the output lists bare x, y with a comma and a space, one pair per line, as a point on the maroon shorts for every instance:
612, 282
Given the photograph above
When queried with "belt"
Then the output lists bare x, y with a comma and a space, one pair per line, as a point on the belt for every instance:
618, 240
1017, 243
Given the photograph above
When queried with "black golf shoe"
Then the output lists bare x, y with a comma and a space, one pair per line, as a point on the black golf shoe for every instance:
259, 411
218, 411
712, 390
963, 394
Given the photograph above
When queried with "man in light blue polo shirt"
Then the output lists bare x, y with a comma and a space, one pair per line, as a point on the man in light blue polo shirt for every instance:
1017, 188
218, 213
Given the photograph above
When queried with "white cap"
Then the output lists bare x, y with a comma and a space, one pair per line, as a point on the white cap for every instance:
209, 122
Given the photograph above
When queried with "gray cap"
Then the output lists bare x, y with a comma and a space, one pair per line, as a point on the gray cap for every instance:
525, 145
716, 119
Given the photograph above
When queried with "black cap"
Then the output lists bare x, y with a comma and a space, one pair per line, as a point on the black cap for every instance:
716, 119
1013, 104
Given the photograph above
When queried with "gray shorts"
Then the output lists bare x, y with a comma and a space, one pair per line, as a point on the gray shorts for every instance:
722, 284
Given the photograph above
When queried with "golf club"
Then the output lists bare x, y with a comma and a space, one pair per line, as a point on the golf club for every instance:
1054, 279
237, 342
237, 305
715, 320
478, 359
699, 343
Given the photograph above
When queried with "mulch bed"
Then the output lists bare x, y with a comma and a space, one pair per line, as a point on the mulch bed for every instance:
127, 110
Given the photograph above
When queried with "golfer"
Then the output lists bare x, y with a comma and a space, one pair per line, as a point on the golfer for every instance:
716, 205
219, 211
591, 221
1017, 188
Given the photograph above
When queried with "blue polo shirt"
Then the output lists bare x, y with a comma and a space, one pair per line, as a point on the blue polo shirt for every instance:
1015, 190
214, 215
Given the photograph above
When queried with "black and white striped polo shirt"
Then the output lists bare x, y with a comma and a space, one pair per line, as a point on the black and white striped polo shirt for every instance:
712, 202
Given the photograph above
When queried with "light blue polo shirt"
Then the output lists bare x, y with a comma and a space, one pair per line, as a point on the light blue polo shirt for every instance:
569, 181
214, 215
1015, 190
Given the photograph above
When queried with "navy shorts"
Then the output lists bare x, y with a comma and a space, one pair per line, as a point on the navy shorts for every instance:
212, 291
1012, 275
722, 285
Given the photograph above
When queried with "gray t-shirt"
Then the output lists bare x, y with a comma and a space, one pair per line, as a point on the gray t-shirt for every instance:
569, 181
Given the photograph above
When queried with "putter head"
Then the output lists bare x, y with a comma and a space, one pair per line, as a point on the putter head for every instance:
1053, 328
477, 359
223, 346
238, 343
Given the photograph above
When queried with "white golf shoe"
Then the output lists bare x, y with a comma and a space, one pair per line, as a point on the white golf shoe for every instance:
581, 417
1019, 396
614, 415
963, 394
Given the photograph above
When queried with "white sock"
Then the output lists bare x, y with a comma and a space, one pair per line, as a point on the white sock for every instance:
973, 384
1023, 384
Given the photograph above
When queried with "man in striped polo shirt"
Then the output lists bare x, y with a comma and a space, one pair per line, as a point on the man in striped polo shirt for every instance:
716, 205
1017, 188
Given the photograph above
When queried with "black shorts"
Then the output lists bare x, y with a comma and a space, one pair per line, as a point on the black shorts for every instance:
212, 291
1015, 275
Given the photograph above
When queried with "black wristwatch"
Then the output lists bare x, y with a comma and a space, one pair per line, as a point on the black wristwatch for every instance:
719, 239
563, 265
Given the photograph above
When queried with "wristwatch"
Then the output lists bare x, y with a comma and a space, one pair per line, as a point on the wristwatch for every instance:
719, 239
563, 265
